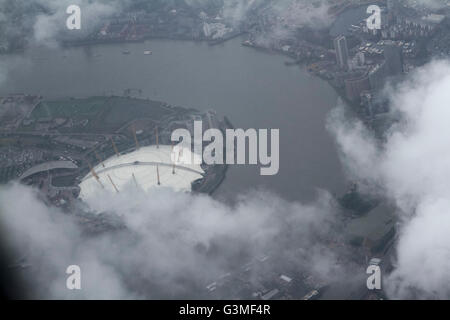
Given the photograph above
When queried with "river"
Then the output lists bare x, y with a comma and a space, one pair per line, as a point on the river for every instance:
253, 89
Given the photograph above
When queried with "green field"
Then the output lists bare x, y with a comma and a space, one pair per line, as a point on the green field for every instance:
123, 110
105, 114
76, 109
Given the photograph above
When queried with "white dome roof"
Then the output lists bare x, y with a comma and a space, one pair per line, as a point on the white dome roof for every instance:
140, 168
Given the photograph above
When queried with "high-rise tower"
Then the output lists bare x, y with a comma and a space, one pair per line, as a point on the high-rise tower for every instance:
340, 45
393, 55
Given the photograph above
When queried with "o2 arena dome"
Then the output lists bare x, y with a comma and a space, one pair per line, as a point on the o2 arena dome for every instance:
145, 168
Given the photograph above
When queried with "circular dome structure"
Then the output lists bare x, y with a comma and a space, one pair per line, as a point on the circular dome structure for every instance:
146, 168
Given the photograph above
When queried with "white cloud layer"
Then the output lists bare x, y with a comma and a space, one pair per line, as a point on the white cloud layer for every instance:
174, 245
413, 167
48, 26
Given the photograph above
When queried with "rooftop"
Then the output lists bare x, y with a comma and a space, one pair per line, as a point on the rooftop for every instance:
143, 168
47, 166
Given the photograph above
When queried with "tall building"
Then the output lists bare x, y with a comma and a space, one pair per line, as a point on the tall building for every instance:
360, 59
356, 85
367, 104
393, 55
340, 45
377, 77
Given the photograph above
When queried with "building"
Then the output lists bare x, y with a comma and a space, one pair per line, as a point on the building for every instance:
358, 62
393, 55
377, 77
356, 85
367, 104
47, 167
360, 58
145, 168
340, 45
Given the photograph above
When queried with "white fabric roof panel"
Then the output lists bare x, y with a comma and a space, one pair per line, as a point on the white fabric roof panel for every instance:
143, 163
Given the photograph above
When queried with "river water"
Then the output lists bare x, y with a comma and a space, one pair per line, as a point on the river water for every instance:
253, 89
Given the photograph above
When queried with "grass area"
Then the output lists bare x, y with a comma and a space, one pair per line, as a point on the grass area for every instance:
123, 110
105, 114
76, 109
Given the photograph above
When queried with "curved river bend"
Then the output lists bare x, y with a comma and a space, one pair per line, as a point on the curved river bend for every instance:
252, 88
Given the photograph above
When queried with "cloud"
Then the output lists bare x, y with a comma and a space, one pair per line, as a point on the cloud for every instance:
46, 19
288, 16
174, 244
233, 12
300, 13
7, 67
285, 15
412, 166
236, 11
50, 25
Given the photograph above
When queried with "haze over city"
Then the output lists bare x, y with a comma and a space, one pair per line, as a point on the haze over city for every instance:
335, 134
